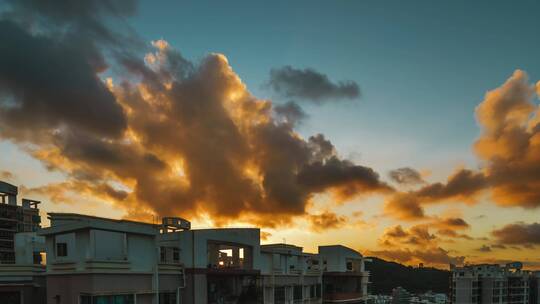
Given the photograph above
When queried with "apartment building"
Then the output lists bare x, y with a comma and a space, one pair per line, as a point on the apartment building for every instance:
345, 279
290, 275
493, 283
221, 265
15, 218
99, 260
23, 282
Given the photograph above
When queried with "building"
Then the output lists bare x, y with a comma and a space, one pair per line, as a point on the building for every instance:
401, 296
492, 283
221, 265
99, 260
23, 282
15, 218
289, 275
21, 266
345, 279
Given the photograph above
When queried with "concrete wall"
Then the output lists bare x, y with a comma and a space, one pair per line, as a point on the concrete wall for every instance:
67, 288
193, 244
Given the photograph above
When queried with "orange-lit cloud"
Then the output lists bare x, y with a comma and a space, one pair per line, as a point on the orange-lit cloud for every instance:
164, 136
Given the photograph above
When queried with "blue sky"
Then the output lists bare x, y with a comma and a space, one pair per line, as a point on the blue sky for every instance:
422, 66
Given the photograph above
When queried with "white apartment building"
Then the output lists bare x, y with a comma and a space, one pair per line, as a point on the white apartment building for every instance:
345, 279
99, 260
289, 275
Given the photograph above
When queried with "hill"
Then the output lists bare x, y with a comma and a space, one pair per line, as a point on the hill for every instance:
387, 275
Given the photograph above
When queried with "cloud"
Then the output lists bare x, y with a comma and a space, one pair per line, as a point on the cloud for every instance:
310, 85
518, 234
484, 248
163, 135
6, 175
406, 175
509, 148
325, 221
290, 112
265, 235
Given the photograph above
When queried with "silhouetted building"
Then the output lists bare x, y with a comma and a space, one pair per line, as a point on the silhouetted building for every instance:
22, 279
14, 218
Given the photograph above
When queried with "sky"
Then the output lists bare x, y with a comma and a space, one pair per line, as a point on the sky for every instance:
407, 130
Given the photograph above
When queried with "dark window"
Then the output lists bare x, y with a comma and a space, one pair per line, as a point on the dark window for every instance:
297, 292
176, 255
167, 298
279, 295
349, 265
10, 297
163, 254
61, 249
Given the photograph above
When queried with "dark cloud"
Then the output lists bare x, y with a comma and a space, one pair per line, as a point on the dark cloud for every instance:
462, 185
290, 112
310, 85
407, 176
49, 84
326, 220
484, 248
518, 234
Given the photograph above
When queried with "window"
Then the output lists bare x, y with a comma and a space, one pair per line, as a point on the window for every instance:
349, 266
109, 299
176, 255
61, 249
167, 298
297, 292
279, 294
163, 254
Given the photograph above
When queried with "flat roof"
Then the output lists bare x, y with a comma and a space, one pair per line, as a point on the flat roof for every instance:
72, 221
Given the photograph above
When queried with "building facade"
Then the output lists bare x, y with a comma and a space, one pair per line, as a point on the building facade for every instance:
15, 218
493, 283
345, 279
290, 275
99, 260
94, 260
22, 279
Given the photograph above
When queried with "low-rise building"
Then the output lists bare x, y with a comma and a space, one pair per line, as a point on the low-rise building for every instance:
289, 275
99, 260
221, 265
345, 279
